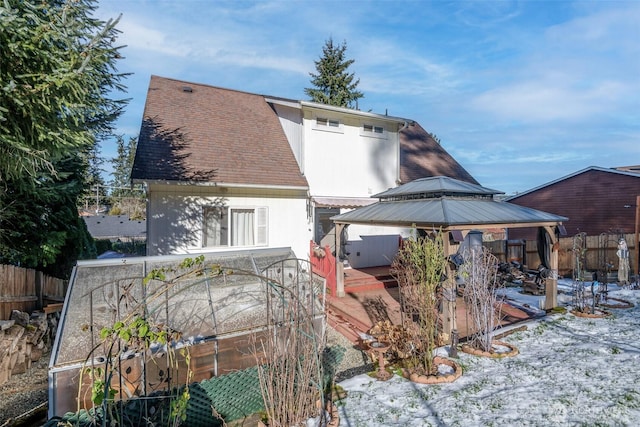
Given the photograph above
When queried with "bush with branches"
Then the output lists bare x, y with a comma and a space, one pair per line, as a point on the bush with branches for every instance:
480, 272
289, 358
419, 268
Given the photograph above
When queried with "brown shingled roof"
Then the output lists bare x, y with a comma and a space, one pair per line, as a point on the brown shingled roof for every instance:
196, 132
422, 157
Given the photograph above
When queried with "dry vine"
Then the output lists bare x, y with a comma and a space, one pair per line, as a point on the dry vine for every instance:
137, 334
289, 358
480, 270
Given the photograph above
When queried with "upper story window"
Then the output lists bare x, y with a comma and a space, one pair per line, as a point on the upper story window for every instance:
326, 124
223, 226
373, 131
320, 121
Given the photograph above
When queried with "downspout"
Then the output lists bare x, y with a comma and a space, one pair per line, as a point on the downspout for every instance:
302, 140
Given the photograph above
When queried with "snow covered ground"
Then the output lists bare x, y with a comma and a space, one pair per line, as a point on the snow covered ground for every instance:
571, 371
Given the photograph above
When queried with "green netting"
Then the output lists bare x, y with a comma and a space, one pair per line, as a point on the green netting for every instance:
237, 395
234, 396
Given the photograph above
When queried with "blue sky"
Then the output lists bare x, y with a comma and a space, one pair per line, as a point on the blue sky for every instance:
519, 92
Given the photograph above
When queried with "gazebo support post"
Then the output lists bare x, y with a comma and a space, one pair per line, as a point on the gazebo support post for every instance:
339, 264
636, 241
551, 283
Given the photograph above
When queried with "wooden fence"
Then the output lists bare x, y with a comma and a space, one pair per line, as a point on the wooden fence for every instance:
27, 290
600, 253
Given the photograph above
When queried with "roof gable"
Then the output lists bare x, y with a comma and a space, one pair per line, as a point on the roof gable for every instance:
588, 170
421, 156
195, 132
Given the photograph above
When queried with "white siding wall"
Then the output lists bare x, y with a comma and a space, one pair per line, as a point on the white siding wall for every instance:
372, 250
291, 122
342, 162
371, 246
175, 220
346, 162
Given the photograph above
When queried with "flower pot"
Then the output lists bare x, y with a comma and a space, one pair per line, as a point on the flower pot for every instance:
509, 350
449, 375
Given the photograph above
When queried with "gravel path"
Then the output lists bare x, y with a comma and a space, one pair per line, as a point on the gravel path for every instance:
354, 362
24, 391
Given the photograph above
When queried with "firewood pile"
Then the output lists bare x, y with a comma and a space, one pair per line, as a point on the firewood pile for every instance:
511, 273
24, 339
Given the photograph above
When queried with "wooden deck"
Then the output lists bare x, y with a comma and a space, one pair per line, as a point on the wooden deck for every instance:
368, 279
371, 297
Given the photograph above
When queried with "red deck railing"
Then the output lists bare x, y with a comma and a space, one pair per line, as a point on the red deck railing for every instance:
323, 264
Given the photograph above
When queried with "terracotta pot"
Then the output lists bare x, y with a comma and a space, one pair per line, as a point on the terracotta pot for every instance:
599, 314
436, 379
513, 351
619, 303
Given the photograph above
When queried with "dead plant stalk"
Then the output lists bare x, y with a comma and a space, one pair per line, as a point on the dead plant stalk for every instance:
419, 267
289, 367
483, 305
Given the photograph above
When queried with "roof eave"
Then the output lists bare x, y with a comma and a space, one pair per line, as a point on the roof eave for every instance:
449, 227
221, 184
571, 175
344, 110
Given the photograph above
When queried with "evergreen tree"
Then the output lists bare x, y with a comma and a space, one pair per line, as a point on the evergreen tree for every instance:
57, 71
333, 84
93, 183
126, 198
123, 162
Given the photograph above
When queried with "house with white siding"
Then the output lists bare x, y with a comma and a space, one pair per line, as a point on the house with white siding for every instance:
227, 170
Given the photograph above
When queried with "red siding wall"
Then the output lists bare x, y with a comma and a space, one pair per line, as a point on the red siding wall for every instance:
593, 201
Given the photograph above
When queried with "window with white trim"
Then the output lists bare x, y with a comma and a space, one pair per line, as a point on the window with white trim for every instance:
373, 131
322, 121
224, 226
327, 124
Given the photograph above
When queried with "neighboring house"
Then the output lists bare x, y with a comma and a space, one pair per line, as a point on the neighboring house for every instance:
596, 200
116, 228
226, 169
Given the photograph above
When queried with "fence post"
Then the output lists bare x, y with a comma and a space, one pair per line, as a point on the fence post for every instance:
39, 289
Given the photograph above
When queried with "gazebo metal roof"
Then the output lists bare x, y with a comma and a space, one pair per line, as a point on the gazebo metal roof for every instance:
447, 203
450, 205
436, 186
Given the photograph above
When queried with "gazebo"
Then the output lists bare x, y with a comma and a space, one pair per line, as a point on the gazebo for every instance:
455, 207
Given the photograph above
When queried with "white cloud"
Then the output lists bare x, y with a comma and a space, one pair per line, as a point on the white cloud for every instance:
611, 28
138, 37
183, 37
487, 14
542, 101
582, 69
513, 89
